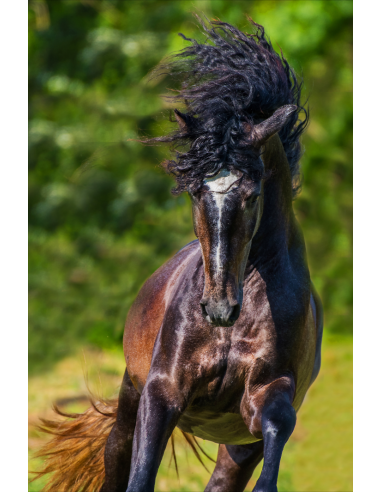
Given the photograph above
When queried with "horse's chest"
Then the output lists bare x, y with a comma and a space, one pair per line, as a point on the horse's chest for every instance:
215, 414
222, 374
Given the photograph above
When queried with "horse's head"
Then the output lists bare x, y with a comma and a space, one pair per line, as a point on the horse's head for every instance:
227, 211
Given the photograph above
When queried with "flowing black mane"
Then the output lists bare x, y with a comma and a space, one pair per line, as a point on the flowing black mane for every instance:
231, 80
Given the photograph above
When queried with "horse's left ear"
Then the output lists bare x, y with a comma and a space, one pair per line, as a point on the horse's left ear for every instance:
180, 118
263, 131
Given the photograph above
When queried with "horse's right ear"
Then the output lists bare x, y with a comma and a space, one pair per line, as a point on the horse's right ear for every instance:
180, 118
261, 132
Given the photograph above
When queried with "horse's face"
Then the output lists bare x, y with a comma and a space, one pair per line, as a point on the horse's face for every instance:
226, 214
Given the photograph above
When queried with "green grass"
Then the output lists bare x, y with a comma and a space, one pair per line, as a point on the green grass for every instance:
317, 458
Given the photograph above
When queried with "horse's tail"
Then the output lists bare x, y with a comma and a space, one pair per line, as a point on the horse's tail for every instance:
74, 456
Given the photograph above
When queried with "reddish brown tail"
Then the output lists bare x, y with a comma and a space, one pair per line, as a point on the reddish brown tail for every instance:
74, 456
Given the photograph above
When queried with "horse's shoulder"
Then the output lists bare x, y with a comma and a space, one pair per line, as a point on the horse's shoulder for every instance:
147, 312
163, 275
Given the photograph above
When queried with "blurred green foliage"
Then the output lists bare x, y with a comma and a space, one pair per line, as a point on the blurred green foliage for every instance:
102, 218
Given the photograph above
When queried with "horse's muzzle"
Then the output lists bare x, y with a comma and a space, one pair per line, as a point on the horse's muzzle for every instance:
221, 313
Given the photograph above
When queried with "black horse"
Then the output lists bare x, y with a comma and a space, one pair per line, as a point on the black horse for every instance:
223, 341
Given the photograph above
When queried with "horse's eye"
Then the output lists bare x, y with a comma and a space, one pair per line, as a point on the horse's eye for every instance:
252, 196
258, 175
195, 195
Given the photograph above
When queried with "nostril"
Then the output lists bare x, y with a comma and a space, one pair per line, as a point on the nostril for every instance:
235, 312
203, 309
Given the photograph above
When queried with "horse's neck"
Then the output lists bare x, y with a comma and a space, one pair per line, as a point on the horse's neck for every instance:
273, 234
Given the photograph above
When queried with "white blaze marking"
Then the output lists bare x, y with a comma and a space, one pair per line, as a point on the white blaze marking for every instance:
223, 180
220, 185
220, 203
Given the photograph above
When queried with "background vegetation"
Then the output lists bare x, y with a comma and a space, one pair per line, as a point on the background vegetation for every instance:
102, 218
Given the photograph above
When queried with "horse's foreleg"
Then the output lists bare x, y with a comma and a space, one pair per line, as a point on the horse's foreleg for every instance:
159, 412
118, 452
235, 465
269, 414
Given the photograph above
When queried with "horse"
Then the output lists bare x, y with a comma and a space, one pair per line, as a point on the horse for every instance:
223, 341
